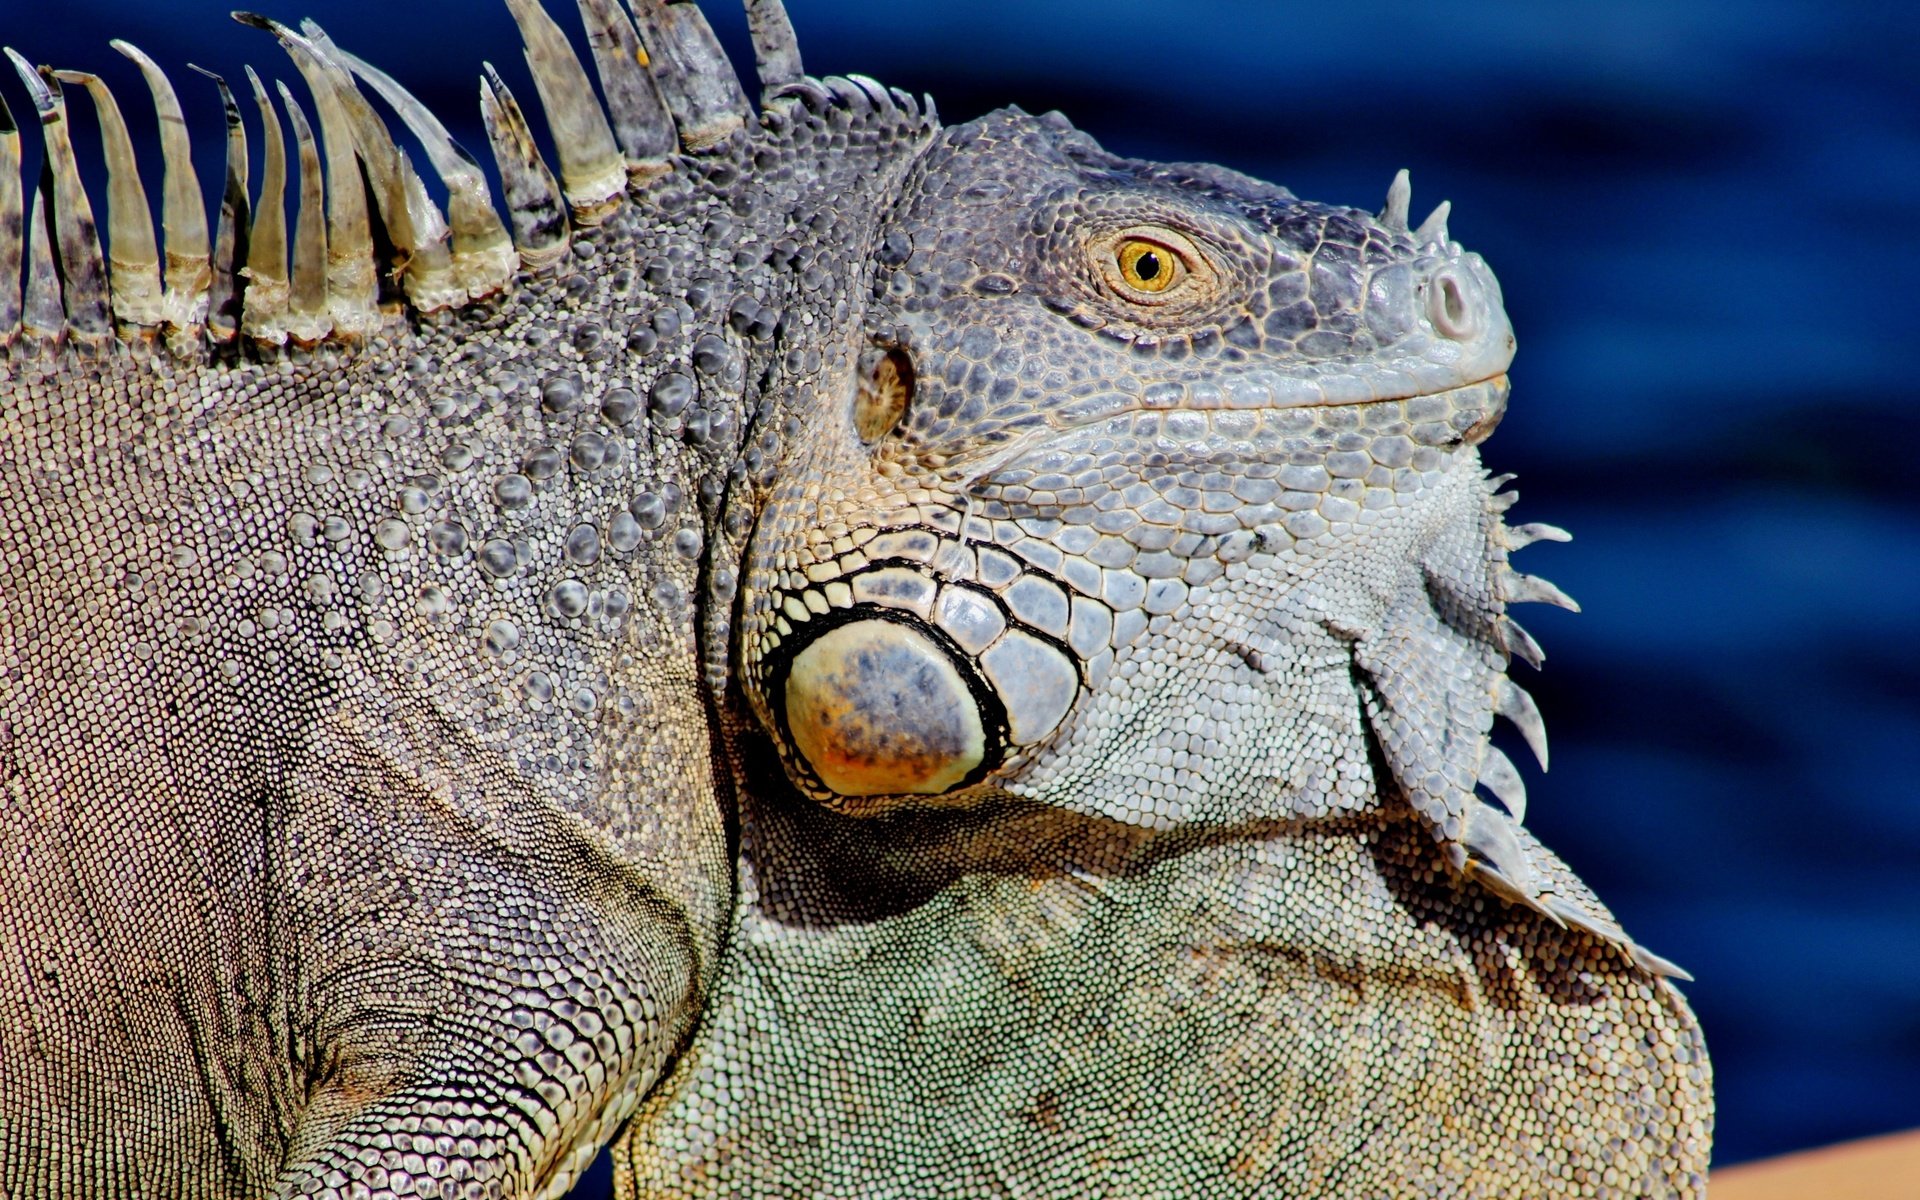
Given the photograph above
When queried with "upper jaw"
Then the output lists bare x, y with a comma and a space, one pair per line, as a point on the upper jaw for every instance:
1262, 390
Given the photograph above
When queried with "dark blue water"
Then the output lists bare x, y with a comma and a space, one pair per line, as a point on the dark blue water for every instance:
1706, 217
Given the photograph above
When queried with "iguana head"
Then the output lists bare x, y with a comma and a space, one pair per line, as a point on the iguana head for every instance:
1148, 466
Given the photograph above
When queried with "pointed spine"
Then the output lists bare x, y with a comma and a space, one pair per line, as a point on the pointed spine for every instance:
776, 51
1515, 640
309, 316
133, 253
44, 316
909, 109
231, 241
432, 281
875, 98
533, 197
264, 313
1516, 588
183, 215
1511, 701
413, 223
83, 282
1501, 862
484, 260
353, 285
1399, 199
592, 170
641, 122
1519, 537
693, 73
1433, 230
1653, 964
1499, 776
13, 219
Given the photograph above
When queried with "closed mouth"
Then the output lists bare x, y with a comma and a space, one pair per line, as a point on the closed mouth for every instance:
1254, 394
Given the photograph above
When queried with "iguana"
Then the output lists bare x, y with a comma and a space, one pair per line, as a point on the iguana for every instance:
867, 658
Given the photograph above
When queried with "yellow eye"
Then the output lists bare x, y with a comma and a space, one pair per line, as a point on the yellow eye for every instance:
1148, 266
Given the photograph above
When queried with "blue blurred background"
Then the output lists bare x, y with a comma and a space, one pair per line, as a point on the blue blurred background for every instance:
1706, 217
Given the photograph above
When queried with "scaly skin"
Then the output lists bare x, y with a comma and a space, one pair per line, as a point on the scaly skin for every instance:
824, 671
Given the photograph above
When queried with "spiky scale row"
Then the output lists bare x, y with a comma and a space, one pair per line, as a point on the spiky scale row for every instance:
352, 277
667, 85
484, 259
1491, 846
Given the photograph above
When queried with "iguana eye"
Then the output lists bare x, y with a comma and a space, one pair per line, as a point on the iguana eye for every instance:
1153, 265
1149, 266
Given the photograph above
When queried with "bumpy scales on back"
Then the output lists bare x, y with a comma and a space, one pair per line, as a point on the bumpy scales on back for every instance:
878, 659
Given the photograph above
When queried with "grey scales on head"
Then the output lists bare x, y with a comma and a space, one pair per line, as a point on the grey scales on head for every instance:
864, 657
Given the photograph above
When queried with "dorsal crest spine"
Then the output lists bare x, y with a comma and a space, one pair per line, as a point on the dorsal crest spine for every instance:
348, 270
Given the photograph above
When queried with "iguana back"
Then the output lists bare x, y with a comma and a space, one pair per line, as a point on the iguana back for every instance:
882, 659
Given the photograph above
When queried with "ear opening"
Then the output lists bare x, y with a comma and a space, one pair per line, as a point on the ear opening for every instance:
886, 393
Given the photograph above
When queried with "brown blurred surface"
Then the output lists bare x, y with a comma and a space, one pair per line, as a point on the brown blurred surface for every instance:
1882, 1168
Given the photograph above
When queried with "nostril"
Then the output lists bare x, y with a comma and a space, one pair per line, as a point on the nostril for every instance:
1452, 303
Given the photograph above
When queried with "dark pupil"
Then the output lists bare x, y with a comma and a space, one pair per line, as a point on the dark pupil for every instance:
1147, 266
